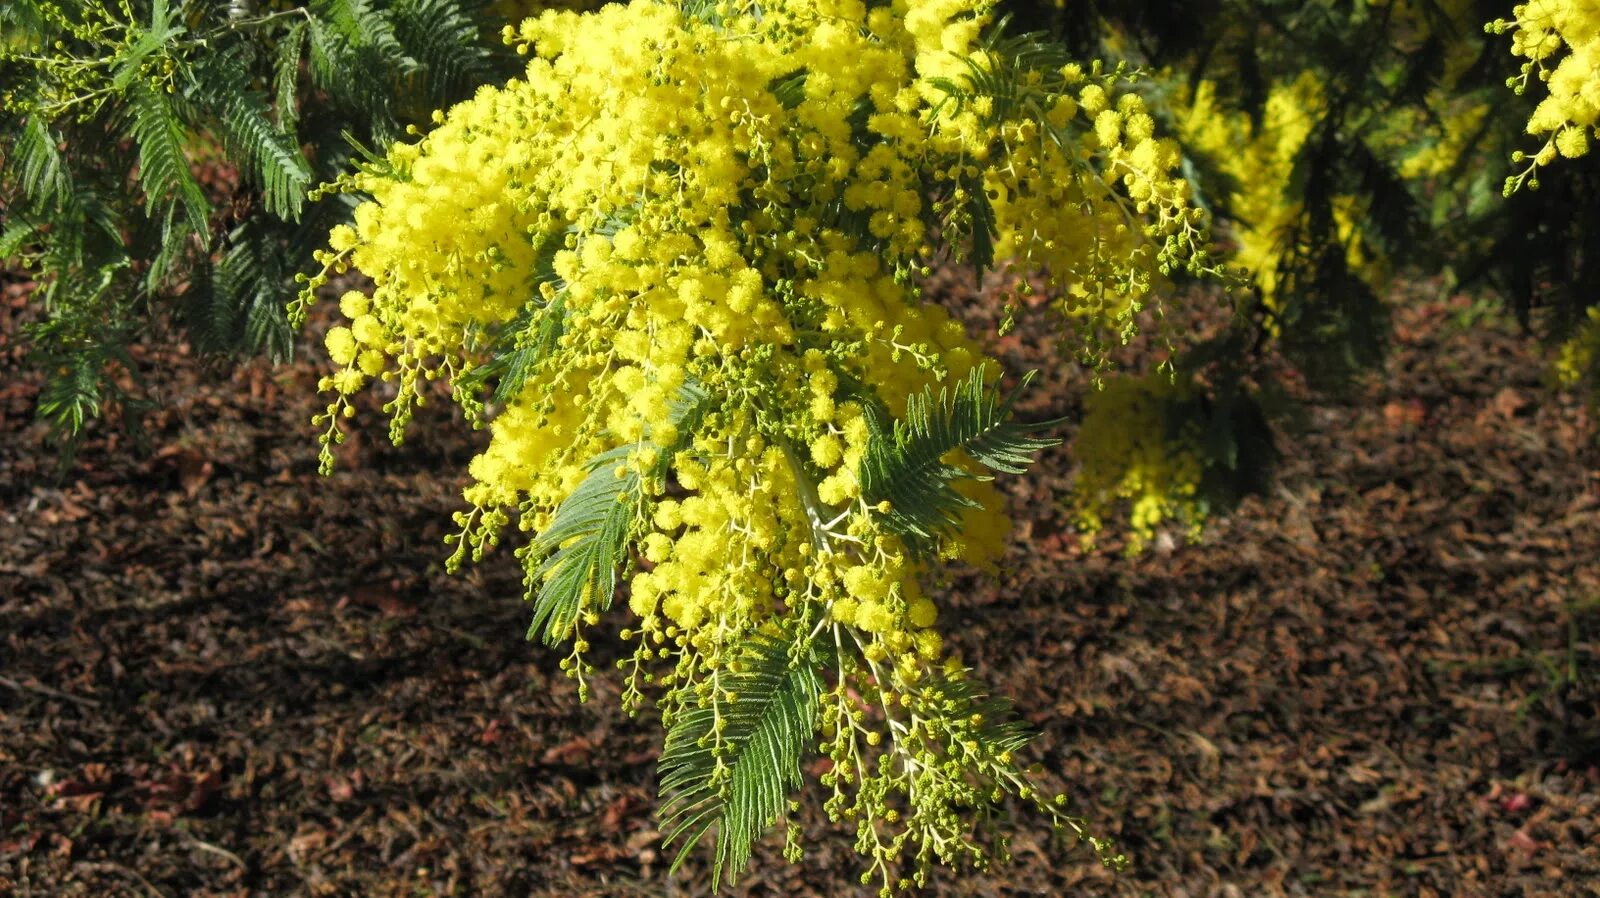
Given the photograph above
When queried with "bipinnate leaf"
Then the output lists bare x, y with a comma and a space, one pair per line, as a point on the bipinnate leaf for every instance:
731, 763
906, 466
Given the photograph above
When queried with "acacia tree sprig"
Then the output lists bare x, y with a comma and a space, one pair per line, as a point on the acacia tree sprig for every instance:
1560, 41
737, 205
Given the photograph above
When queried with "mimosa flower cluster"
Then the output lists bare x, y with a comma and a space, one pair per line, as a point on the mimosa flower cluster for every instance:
674, 270
1132, 448
1560, 39
1579, 357
1259, 159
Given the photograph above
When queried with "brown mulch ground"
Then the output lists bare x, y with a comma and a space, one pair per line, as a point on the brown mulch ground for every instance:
223, 675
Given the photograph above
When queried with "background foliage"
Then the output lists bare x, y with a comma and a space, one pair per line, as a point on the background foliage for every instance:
160, 154
1343, 145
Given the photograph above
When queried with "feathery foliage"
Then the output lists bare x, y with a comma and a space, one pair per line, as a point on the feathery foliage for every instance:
909, 465
243, 119
586, 542
731, 763
163, 167
199, 92
37, 164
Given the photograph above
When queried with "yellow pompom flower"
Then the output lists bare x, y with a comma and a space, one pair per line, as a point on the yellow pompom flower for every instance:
371, 362
673, 269
353, 304
1560, 39
341, 345
367, 331
342, 238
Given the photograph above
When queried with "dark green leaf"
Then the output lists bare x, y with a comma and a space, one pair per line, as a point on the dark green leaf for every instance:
906, 466
766, 729
163, 167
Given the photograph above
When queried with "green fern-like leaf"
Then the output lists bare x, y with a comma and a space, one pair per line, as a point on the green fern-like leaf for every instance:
70, 396
281, 169
80, 255
1009, 75
587, 540
38, 164
253, 277
286, 76
790, 90
985, 230
244, 118
443, 39
1391, 209
1014, 78
171, 244
357, 58
738, 780
906, 466
163, 168
357, 75
205, 310
14, 237
688, 411
515, 367
68, 258
361, 24
235, 304
997, 729
529, 338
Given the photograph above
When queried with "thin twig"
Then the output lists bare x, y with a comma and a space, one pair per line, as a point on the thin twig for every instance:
219, 851
42, 689
114, 867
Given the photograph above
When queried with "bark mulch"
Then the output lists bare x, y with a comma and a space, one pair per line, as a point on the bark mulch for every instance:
221, 674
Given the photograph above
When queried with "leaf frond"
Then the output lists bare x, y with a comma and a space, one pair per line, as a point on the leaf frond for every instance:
732, 763
907, 465
163, 168
245, 122
587, 539
586, 543
40, 168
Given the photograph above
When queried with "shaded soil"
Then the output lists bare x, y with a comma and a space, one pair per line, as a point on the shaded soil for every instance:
221, 674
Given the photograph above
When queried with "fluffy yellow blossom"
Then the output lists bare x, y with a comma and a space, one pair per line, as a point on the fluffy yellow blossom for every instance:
371, 362
341, 345
347, 381
1560, 41
367, 331
1579, 357
342, 238
1127, 453
353, 304
674, 268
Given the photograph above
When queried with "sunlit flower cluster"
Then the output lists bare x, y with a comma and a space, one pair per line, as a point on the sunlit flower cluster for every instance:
683, 252
1259, 160
1579, 356
1560, 39
1129, 450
